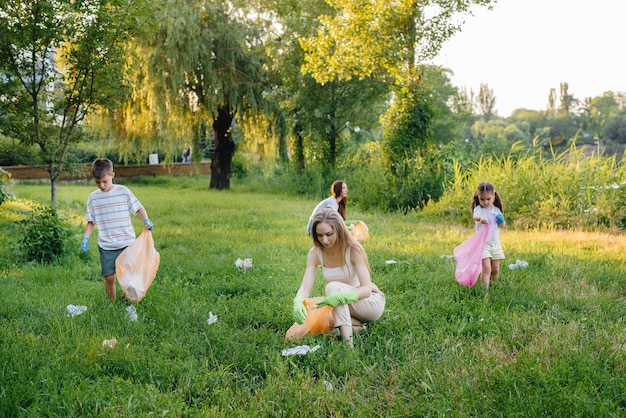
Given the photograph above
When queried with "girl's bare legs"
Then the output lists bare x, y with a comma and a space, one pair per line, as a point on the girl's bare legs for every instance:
486, 273
109, 286
495, 269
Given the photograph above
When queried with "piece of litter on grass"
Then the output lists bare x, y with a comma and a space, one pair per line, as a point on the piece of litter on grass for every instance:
74, 310
299, 350
328, 385
410, 262
243, 264
518, 264
132, 312
447, 256
109, 343
212, 318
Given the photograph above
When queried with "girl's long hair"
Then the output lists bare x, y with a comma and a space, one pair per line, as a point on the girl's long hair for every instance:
336, 189
483, 187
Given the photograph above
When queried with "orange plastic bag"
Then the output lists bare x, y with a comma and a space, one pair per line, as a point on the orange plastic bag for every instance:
137, 266
317, 321
360, 231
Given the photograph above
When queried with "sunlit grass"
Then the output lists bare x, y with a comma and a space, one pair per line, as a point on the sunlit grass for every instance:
548, 339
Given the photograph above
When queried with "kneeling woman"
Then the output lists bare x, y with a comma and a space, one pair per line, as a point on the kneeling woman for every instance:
349, 289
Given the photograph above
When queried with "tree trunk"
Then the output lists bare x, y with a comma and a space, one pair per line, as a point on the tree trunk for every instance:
54, 182
299, 148
54, 190
224, 149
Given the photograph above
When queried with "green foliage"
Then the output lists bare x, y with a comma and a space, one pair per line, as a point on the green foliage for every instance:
59, 60
6, 185
615, 130
381, 40
546, 340
366, 177
414, 171
12, 152
44, 235
453, 110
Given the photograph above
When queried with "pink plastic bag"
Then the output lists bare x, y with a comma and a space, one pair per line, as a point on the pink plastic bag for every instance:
468, 257
137, 266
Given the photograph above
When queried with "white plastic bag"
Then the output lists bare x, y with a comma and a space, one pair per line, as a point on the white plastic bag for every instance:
73, 310
299, 350
137, 266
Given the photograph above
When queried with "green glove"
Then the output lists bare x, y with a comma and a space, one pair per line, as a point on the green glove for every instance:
339, 298
299, 310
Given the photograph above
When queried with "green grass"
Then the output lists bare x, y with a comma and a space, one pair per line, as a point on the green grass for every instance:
548, 340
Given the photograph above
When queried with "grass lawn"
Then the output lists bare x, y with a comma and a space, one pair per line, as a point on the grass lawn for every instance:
547, 340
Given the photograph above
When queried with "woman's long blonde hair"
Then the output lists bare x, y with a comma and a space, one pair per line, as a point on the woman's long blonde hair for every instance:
344, 238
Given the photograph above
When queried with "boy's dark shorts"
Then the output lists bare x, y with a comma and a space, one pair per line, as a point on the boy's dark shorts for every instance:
107, 260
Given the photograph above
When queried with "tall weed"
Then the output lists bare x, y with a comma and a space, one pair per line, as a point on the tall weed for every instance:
569, 191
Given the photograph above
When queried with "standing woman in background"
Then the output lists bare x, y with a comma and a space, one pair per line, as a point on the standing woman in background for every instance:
337, 201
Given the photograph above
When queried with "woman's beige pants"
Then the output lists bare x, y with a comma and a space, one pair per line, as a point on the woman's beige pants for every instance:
357, 313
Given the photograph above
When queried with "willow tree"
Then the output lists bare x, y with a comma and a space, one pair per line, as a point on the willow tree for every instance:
58, 61
390, 40
204, 64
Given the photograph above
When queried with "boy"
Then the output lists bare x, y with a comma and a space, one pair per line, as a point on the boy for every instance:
109, 209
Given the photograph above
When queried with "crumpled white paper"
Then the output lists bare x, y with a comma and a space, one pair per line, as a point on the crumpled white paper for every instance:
212, 318
300, 350
391, 262
243, 264
518, 264
110, 343
74, 310
132, 312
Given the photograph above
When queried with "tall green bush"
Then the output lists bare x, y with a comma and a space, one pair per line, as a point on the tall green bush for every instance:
414, 170
43, 237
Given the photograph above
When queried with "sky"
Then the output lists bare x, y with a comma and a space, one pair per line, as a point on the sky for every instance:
523, 48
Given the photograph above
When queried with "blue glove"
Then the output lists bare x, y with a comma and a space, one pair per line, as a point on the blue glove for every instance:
499, 219
84, 245
339, 298
149, 225
299, 310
